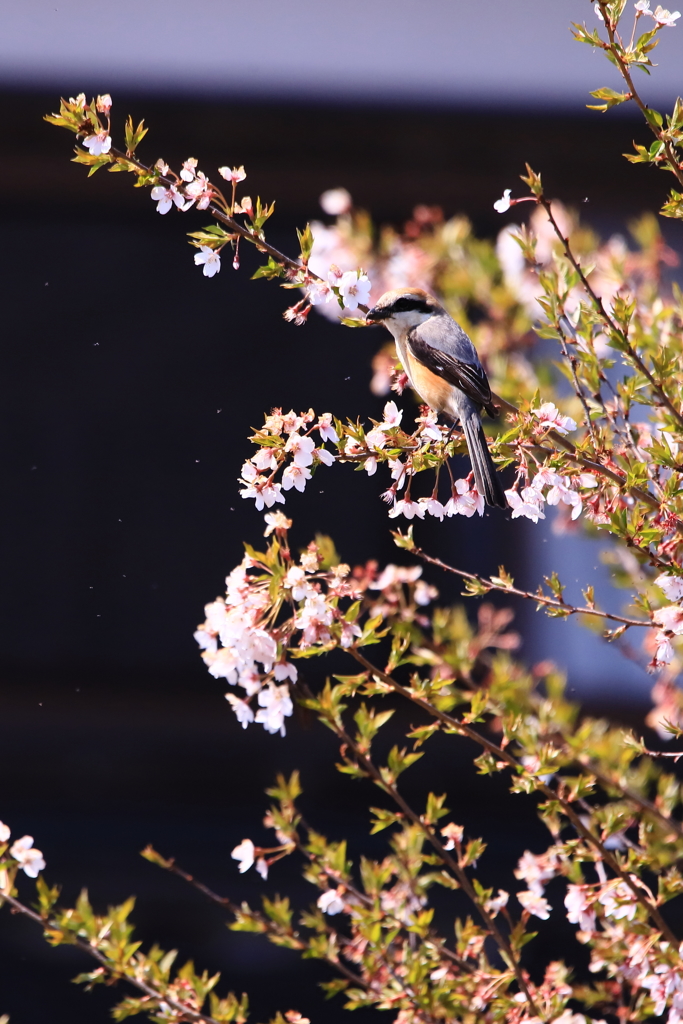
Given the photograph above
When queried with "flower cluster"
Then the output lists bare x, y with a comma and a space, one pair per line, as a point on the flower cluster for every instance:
21, 855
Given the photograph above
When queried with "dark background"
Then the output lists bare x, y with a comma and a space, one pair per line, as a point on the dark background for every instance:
129, 383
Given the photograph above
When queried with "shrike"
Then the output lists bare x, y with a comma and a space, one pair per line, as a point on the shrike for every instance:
443, 367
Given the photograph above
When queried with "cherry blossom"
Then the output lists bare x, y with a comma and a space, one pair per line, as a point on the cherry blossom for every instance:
326, 429
319, 293
285, 670
314, 619
392, 416
241, 708
643, 7
433, 506
430, 427
199, 191
407, 508
664, 17
504, 204
331, 902
355, 289
210, 258
453, 834
494, 905
5, 832
98, 144
528, 504
166, 197
276, 521
302, 449
103, 104
579, 910
295, 476
232, 174
322, 455
670, 618
550, 417
424, 593
262, 867
534, 904
672, 586
30, 860
535, 869
263, 460
618, 901
464, 501
275, 705
297, 581
335, 201
244, 853
189, 169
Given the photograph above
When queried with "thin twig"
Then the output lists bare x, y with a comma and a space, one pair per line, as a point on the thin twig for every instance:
567, 609
92, 951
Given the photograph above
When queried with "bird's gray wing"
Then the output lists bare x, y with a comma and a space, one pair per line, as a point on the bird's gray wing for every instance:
430, 342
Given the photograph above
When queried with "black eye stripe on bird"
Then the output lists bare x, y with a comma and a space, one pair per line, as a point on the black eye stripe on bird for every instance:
442, 365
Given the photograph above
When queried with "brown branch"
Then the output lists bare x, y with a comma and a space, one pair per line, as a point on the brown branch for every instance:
597, 302
568, 609
373, 772
542, 787
635, 96
92, 951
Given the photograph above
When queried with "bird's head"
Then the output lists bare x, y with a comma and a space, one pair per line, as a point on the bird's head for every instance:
403, 308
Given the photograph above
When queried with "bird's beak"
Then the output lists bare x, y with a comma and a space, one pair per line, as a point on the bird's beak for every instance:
375, 315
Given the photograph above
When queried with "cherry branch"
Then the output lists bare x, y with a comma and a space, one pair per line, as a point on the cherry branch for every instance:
491, 584
614, 49
553, 795
116, 975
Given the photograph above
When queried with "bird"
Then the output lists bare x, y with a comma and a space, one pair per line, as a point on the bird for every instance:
442, 365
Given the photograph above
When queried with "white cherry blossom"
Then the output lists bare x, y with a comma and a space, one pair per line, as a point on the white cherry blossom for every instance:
331, 902
166, 197
407, 508
494, 905
232, 174
504, 204
355, 289
666, 18
5, 832
275, 705
210, 258
295, 476
263, 460
98, 144
392, 416
301, 448
244, 853
534, 904
527, 505
336, 201
370, 465
189, 169
670, 618
285, 670
241, 708
30, 860
326, 428
579, 910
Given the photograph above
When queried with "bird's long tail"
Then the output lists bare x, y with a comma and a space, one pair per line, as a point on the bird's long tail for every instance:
486, 478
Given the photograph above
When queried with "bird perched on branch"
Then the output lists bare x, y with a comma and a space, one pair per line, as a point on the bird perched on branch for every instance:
443, 367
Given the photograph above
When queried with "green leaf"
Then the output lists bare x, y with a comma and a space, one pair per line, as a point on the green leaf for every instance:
610, 97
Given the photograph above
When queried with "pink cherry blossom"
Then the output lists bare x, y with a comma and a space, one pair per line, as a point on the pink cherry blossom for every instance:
550, 417
322, 455
433, 507
350, 630
528, 504
189, 168
670, 618
579, 909
4, 832
664, 17
319, 293
672, 586
301, 448
495, 905
285, 670
103, 104
392, 416
534, 904
370, 465
263, 460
